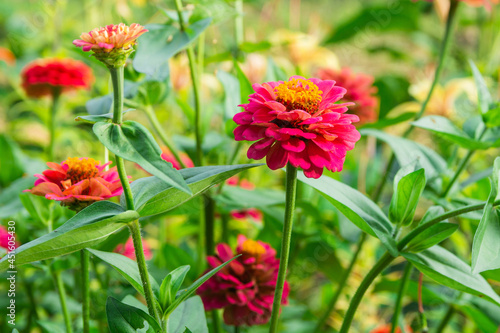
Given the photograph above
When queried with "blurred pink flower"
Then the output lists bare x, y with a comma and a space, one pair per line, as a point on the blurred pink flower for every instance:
77, 182
245, 287
297, 121
111, 37
235, 181
128, 250
4, 240
43, 76
243, 214
387, 329
360, 91
169, 157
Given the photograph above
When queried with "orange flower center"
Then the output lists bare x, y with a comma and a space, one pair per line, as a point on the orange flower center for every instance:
252, 248
299, 94
80, 169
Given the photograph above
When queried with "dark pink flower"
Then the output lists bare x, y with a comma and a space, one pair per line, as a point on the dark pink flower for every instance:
360, 91
78, 182
5, 238
297, 121
128, 249
245, 287
243, 214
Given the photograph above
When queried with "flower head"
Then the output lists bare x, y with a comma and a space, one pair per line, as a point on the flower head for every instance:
297, 121
45, 77
245, 287
77, 182
128, 249
387, 329
111, 44
360, 91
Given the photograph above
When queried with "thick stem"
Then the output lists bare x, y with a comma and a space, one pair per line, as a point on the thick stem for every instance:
117, 81
161, 133
331, 306
421, 310
62, 298
56, 98
196, 87
401, 293
291, 190
135, 230
446, 319
85, 263
216, 322
437, 73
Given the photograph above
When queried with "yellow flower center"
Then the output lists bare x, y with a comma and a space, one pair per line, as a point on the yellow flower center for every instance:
299, 94
80, 169
252, 248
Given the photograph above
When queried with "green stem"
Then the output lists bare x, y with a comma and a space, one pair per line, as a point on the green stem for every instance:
437, 73
399, 300
85, 263
331, 306
148, 109
216, 322
291, 190
446, 319
117, 81
135, 230
209, 224
386, 259
62, 298
196, 87
56, 98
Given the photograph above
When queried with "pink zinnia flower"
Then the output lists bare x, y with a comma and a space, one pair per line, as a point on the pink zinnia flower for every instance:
360, 91
245, 287
169, 157
111, 37
235, 181
128, 249
243, 214
43, 77
4, 240
297, 121
77, 182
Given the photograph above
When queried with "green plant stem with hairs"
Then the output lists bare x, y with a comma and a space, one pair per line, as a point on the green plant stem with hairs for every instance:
401, 293
84, 264
437, 74
386, 259
291, 193
134, 226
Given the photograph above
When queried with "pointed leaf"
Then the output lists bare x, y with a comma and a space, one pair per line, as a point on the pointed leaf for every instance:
407, 192
189, 316
171, 285
89, 227
153, 197
432, 236
123, 318
134, 142
127, 268
483, 94
445, 268
360, 210
184, 294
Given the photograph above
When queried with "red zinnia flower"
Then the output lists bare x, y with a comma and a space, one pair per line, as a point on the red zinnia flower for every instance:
128, 249
111, 37
387, 329
78, 182
360, 91
245, 287
297, 121
45, 76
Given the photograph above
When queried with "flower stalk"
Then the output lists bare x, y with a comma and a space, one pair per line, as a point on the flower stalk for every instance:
84, 264
291, 191
401, 293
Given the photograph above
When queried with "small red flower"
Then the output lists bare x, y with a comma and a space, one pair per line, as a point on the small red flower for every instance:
297, 121
44, 76
77, 182
387, 329
244, 288
128, 249
360, 91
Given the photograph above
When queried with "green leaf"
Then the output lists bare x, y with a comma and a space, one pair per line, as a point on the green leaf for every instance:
386, 122
11, 163
483, 94
250, 47
10, 202
407, 192
486, 244
360, 210
432, 236
446, 129
445, 268
408, 151
245, 85
133, 142
189, 316
162, 42
123, 318
94, 118
171, 285
153, 197
127, 268
89, 227
185, 293
492, 117
231, 94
